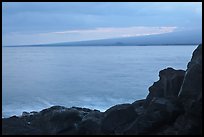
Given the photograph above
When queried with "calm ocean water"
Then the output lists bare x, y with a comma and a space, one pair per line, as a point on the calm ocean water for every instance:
96, 77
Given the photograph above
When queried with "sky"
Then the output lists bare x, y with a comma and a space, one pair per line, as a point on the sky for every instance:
28, 23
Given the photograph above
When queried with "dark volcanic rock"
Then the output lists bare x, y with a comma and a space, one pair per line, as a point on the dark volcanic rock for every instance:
167, 86
161, 106
174, 104
192, 84
117, 118
191, 97
159, 112
91, 124
172, 107
138, 106
54, 120
17, 126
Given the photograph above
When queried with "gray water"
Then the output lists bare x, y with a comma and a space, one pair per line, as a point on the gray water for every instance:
35, 78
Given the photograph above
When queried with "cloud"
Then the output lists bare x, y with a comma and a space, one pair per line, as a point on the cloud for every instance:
111, 32
86, 34
74, 20
137, 30
23, 16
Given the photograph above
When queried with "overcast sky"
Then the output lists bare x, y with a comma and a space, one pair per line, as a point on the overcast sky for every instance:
40, 23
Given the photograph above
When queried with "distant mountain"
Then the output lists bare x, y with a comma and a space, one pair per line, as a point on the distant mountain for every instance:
174, 38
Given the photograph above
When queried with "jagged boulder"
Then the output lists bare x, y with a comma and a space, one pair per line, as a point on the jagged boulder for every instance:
159, 112
192, 84
167, 86
191, 96
174, 103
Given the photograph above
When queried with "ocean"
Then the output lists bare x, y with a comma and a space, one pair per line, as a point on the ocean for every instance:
97, 77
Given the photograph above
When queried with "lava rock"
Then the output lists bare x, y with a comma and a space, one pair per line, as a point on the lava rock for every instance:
159, 112
117, 117
91, 124
168, 85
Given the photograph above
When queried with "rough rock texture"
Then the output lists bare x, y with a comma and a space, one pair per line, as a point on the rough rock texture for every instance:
168, 86
172, 107
117, 118
190, 96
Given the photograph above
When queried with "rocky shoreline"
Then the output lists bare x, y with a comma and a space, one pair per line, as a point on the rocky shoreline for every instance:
172, 107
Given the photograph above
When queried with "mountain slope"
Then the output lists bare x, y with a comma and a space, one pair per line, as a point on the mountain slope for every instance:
175, 38
181, 37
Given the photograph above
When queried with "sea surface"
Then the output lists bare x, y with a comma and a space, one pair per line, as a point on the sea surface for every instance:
35, 78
